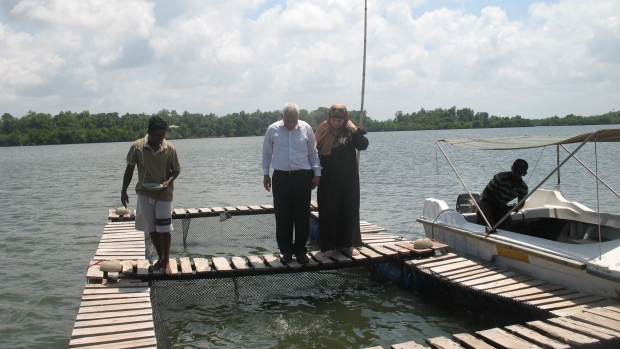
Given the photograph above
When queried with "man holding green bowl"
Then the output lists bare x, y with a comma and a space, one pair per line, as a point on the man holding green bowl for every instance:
158, 167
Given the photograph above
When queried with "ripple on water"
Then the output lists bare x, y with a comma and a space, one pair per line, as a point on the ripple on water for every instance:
51, 230
328, 314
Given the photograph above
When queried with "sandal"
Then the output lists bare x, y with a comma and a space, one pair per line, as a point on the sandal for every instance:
353, 251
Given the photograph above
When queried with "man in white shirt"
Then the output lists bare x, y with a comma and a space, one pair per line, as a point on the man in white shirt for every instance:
290, 148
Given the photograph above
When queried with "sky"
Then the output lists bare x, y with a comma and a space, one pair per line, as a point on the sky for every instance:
535, 59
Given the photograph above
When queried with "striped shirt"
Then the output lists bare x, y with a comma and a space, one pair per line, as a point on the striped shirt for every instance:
504, 188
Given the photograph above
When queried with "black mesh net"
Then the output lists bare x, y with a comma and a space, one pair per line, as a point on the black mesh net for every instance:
205, 230
485, 304
251, 291
236, 235
240, 235
254, 234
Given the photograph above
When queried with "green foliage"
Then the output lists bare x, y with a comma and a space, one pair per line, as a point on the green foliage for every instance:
466, 118
69, 128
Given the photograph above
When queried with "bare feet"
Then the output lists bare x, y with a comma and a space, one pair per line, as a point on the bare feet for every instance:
157, 265
166, 265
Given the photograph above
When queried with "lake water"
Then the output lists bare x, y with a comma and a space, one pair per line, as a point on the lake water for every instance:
56, 200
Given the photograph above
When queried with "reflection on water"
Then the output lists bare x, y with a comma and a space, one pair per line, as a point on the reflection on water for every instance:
342, 313
324, 310
56, 200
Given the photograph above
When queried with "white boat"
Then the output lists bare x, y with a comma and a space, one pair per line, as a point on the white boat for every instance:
554, 239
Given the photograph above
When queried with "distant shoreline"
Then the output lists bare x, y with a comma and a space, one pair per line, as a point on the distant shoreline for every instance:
81, 128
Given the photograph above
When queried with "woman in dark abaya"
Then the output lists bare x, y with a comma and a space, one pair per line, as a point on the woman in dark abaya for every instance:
339, 192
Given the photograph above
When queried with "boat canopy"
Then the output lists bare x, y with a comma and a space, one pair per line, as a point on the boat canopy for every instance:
523, 142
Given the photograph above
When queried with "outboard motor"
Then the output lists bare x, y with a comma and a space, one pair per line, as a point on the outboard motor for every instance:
465, 204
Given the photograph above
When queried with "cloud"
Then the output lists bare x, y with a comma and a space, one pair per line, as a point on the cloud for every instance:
223, 57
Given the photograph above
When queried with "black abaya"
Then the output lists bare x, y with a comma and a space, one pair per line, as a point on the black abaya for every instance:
338, 196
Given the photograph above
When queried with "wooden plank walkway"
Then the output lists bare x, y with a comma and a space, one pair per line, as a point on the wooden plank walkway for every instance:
116, 310
578, 319
137, 267
115, 313
588, 327
502, 284
180, 213
122, 242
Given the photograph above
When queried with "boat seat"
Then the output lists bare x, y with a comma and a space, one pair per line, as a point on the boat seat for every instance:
583, 241
473, 217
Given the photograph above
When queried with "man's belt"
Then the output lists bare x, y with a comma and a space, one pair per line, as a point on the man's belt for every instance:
293, 171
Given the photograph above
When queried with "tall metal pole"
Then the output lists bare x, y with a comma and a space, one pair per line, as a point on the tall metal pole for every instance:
363, 74
557, 151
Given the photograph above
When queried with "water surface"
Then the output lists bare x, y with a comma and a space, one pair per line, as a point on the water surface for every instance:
56, 200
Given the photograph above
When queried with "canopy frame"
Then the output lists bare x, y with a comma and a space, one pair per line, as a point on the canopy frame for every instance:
530, 141
524, 142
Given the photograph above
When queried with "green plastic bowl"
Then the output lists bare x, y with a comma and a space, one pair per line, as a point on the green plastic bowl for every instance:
153, 186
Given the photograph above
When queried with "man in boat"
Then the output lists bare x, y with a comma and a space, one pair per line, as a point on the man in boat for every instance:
503, 188
158, 167
290, 148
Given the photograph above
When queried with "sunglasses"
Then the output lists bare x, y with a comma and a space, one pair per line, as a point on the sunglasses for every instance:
337, 110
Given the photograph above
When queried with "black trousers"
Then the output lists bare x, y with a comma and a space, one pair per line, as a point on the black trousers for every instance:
494, 212
291, 201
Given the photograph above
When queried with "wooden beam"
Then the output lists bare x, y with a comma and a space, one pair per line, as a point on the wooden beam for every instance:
561, 334
442, 343
535, 337
502, 339
471, 342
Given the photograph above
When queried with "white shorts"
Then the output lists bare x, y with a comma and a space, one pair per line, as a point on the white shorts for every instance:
153, 215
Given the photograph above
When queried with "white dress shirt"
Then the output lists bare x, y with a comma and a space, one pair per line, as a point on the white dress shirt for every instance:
292, 150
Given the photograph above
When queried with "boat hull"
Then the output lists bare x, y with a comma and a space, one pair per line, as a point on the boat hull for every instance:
570, 265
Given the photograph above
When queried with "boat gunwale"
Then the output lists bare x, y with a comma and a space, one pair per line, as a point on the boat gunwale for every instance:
567, 261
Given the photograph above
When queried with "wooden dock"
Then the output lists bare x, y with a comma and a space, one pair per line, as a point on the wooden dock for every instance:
575, 320
116, 310
115, 313
588, 327
180, 213
505, 285
122, 242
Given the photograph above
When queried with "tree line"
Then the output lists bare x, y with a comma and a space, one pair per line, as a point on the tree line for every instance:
70, 128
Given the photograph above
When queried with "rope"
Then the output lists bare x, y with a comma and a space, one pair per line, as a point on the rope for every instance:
96, 263
534, 169
414, 223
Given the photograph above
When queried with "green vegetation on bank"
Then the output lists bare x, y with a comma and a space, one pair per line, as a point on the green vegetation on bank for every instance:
70, 128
